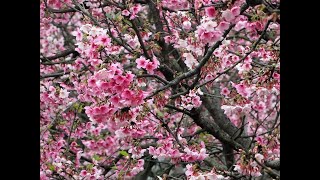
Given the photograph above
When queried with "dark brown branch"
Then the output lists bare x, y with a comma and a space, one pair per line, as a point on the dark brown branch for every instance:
55, 74
59, 55
107, 168
75, 9
196, 133
62, 10
129, 49
154, 76
271, 172
275, 164
213, 105
145, 52
165, 125
208, 124
178, 109
59, 62
228, 155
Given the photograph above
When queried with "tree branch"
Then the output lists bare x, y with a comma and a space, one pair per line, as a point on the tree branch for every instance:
59, 55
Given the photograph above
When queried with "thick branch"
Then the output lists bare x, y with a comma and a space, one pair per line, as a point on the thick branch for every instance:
55, 74
213, 105
178, 109
59, 55
145, 52
209, 125
109, 167
154, 76
275, 164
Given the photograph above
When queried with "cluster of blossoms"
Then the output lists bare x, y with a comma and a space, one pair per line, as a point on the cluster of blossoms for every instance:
168, 151
148, 65
133, 11
191, 100
249, 166
90, 40
193, 174
192, 155
176, 4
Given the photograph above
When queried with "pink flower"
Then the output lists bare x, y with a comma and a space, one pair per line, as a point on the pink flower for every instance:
186, 25
115, 100
240, 25
210, 11
225, 91
77, 34
83, 173
94, 31
118, 88
190, 60
125, 12
276, 76
246, 66
86, 28
206, 36
103, 40
100, 110
210, 25
223, 25
168, 39
150, 67
63, 93
259, 157
189, 171
119, 79
136, 8
202, 154
95, 62
243, 90
227, 15
126, 94
142, 62
216, 36
259, 26
129, 76
235, 11
175, 154
196, 101
152, 150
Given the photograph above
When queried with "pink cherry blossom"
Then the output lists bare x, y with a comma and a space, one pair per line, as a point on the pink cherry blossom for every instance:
142, 62
125, 12
210, 11
190, 60
228, 15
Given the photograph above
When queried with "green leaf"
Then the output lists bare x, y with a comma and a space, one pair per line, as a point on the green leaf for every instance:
62, 122
160, 114
128, 22
80, 108
76, 105
124, 153
96, 157
51, 167
89, 166
118, 16
109, 15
